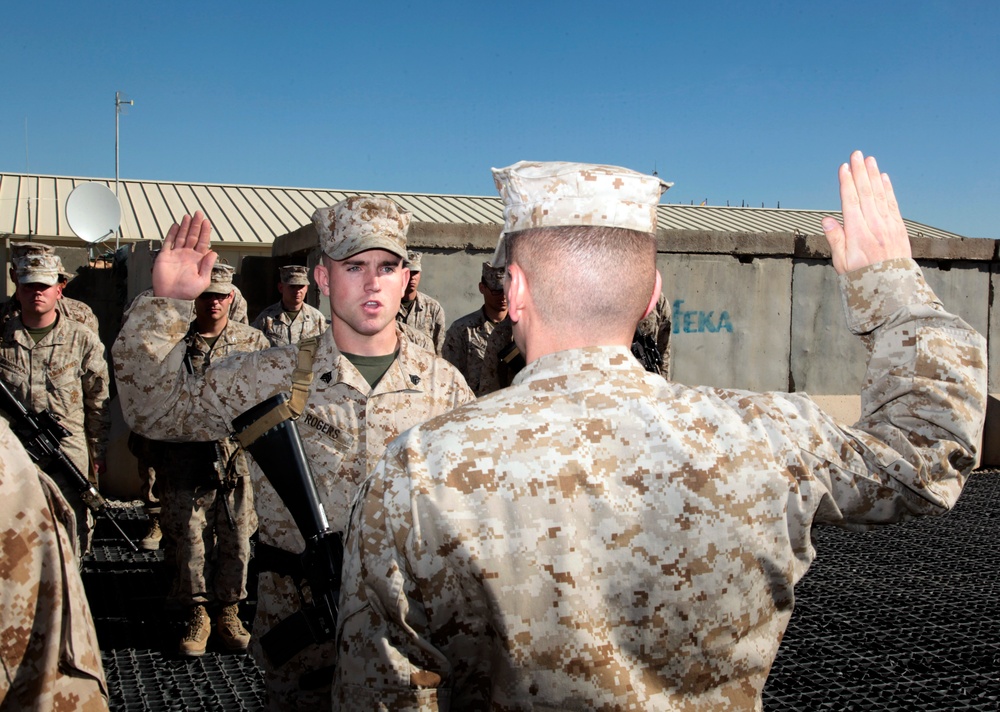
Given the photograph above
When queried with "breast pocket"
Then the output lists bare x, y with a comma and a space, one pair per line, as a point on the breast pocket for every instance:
65, 391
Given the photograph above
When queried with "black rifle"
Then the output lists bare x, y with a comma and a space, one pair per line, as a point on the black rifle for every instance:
645, 350
278, 451
41, 433
224, 477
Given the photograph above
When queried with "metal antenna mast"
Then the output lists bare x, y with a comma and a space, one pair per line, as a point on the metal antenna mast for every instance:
120, 101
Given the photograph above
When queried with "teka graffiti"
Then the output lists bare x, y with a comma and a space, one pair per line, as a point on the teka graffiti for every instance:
692, 321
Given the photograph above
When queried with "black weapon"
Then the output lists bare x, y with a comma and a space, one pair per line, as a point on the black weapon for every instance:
41, 433
223, 476
279, 453
645, 350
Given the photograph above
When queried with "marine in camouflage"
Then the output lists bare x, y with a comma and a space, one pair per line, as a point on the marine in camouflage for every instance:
426, 315
71, 308
65, 373
345, 427
210, 558
595, 537
281, 330
51, 659
465, 346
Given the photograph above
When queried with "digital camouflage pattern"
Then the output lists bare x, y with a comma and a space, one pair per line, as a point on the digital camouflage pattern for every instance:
495, 374
658, 324
465, 346
237, 309
359, 223
208, 568
281, 331
596, 537
424, 314
345, 427
65, 373
418, 338
51, 659
557, 193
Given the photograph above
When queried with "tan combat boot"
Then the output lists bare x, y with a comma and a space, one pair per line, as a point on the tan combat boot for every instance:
151, 542
230, 628
195, 639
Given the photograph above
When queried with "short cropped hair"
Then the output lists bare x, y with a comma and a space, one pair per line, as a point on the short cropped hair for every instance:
586, 277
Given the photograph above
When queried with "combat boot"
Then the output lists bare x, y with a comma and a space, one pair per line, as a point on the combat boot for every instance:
230, 628
195, 639
151, 542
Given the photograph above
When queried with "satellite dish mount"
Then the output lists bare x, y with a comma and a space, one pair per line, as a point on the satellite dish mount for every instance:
93, 212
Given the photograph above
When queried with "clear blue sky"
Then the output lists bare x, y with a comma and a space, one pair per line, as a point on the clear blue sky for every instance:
733, 101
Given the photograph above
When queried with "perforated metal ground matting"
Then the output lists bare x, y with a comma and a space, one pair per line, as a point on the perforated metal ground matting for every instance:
900, 618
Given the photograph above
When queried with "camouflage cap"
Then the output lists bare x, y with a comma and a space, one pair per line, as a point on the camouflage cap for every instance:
359, 223
556, 194
413, 260
20, 249
41, 268
222, 280
492, 276
296, 275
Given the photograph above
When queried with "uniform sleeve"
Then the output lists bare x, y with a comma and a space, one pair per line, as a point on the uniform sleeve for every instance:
454, 350
438, 331
923, 405
96, 396
159, 399
394, 647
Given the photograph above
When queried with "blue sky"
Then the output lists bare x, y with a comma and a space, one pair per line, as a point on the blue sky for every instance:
754, 102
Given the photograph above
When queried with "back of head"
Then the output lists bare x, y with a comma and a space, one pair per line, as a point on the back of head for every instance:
585, 237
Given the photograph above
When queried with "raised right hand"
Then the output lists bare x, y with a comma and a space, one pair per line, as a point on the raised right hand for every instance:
183, 269
873, 229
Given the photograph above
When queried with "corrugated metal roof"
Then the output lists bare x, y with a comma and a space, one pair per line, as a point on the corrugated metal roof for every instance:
36, 205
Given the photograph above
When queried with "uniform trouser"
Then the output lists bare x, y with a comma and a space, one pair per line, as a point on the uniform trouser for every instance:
209, 557
277, 598
148, 487
84, 517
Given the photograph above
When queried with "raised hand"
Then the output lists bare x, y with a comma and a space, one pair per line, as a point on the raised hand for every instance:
873, 229
183, 269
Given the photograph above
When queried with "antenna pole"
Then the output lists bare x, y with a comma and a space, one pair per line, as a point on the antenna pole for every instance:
118, 110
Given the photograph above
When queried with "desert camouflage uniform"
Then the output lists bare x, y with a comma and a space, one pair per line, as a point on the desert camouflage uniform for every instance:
73, 308
465, 346
595, 537
427, 315
274, 322
496, 374
65, 373
658, 324
207, 569
237, 310
417, 337
51, 660
345, 428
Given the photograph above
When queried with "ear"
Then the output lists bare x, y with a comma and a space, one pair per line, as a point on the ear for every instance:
657, 288
322, 276
405, 280
517, 292
482, 289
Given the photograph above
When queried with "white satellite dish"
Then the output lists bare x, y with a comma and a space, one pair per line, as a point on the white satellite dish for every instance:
93, 212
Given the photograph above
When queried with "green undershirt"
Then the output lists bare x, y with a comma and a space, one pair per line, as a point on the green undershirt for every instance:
40, 333
372, 367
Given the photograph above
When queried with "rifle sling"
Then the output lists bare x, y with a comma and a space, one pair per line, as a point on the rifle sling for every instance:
291, 409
